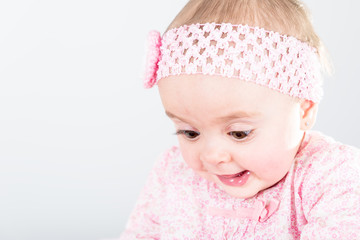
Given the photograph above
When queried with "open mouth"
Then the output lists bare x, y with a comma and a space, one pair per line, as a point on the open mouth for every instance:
234, 175
235, 180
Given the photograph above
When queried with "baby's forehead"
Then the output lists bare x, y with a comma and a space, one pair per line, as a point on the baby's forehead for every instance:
219, 96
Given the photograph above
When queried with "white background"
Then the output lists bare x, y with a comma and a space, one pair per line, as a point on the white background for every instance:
79, 134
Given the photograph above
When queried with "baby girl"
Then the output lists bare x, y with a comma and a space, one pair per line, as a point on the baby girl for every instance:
241, 80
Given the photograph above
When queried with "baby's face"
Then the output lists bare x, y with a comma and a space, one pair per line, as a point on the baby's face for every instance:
241, 136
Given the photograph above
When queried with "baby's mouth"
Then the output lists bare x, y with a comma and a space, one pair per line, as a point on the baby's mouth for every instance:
235, 180
233, 175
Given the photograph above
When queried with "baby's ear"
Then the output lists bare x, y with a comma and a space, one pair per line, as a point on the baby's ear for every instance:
308, 114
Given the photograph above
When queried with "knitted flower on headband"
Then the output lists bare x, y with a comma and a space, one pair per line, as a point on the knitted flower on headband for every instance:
153, 57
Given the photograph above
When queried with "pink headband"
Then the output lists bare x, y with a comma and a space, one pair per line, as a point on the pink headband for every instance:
253, 54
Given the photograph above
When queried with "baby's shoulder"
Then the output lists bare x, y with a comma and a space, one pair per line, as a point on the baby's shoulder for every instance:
322, 160
327, 178
318, 148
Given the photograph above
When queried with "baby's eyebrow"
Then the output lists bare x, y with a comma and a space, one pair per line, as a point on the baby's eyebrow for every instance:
230, 116
239, 114
171, 115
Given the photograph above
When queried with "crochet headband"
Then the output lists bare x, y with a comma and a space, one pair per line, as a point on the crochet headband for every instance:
279, 62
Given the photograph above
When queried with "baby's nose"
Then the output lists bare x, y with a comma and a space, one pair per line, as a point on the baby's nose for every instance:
215, 155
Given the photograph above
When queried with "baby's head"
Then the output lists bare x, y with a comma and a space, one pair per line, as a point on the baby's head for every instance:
241, 94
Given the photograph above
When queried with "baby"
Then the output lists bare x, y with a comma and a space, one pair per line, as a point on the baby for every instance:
241, 81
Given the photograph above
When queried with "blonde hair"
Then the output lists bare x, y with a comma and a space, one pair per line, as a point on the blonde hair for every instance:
288, 17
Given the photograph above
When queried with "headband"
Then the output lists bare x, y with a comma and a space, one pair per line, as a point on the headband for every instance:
279, 62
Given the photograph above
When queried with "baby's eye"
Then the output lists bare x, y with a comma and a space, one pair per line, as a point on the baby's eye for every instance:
188, 134
239, 135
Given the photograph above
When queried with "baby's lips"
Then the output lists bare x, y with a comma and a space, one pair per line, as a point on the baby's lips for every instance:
152, 59
233, 175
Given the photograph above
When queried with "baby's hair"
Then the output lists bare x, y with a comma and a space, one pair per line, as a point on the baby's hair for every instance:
288, 17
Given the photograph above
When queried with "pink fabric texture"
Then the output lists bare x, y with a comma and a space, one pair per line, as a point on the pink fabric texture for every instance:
152, 59
253, 54
319, 198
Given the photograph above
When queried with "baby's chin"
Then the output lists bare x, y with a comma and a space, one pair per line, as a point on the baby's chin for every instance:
240, 193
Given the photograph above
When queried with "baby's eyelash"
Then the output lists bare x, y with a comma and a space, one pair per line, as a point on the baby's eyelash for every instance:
240, 135
179, 132
188, 133
237, 135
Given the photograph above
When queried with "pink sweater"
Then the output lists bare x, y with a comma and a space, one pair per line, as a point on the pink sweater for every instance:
319, 198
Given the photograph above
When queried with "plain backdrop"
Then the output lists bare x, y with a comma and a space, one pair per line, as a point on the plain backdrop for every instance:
79, 134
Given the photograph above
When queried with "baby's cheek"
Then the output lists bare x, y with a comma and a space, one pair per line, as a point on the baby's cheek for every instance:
190, 158
265, 168
271, 168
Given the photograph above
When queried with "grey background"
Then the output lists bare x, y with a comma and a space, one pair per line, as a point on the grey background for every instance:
79, 134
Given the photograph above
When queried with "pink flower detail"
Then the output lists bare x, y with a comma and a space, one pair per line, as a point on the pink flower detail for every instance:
152, 59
